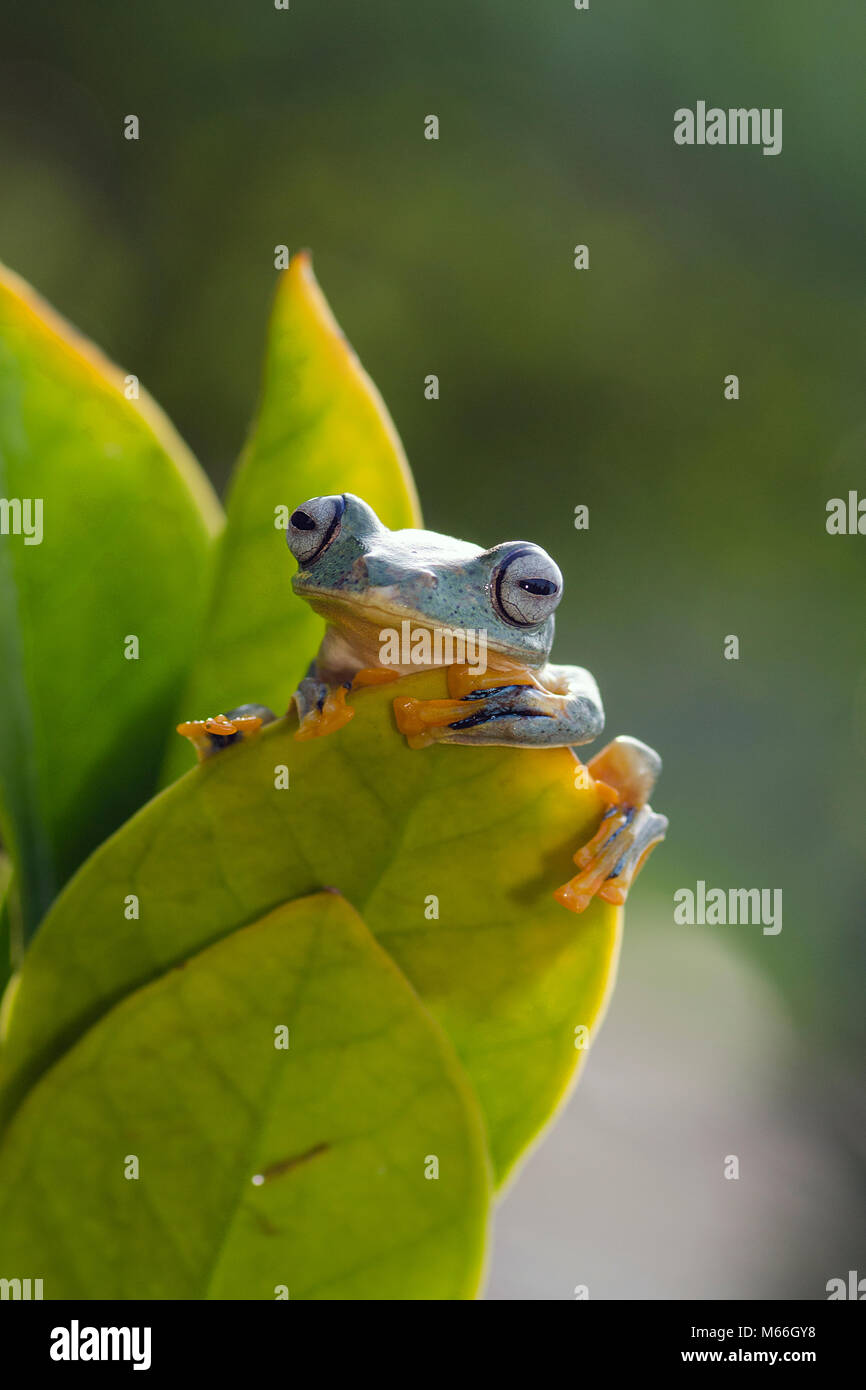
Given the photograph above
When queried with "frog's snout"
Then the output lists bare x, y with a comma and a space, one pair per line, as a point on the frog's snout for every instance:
389, 578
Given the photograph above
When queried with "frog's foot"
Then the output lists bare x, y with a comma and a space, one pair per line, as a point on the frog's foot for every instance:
476, 701
322, 709
208, 736
625, 773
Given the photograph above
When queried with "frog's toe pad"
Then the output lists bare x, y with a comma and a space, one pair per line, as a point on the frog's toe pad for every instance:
419, 720
208, 736
612, 859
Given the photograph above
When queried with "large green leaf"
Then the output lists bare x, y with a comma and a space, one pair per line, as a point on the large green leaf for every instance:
259, 1167
127, 521
321, 428
489, 832
6, 909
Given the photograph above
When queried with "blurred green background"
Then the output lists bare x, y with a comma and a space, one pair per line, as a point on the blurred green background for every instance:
558, 387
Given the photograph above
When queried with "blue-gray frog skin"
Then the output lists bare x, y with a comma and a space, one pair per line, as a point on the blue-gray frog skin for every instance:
396, 602
351, 559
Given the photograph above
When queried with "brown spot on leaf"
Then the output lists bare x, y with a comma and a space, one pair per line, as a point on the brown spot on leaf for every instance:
285, 1165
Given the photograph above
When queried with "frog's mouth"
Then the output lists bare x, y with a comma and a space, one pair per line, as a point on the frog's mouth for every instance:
369, 610
366, 617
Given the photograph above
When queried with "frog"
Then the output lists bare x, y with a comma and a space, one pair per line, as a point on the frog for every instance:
366, 580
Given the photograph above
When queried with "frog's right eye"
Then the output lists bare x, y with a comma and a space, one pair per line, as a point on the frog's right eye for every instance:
313, 526
527, 586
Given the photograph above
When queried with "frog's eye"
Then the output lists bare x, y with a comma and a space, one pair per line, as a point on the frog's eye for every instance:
527, 587
313, 526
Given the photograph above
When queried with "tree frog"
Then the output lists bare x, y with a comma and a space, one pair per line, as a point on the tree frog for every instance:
440, 595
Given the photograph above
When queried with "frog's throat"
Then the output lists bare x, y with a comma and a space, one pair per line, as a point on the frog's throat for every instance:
362, 622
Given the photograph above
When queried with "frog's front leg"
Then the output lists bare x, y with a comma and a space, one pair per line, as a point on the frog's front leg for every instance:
560, 707
321, 707
557, 708
625, 773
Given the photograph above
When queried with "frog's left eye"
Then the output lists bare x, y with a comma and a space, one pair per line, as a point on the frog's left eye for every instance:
527, 587
313, 526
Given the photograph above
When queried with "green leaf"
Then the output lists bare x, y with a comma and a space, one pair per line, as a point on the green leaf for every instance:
490, 832
258, 1166
127, 521
322, 428
6, 909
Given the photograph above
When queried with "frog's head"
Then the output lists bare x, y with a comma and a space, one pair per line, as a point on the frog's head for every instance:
355, 571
